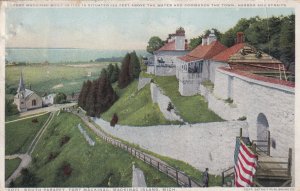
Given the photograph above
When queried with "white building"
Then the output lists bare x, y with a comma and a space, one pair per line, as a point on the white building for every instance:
26, 99
48, 99
165, 59
195, 67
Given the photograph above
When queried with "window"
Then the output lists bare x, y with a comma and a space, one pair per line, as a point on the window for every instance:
34, 102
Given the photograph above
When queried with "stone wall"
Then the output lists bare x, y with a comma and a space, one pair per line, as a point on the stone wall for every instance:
143, 82
164, 70
163, 102
213, 67
253, 98
150, 69
201, 145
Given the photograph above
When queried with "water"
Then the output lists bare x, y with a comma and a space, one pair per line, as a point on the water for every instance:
58, 55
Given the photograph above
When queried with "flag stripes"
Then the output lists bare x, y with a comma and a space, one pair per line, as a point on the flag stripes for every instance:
245, 165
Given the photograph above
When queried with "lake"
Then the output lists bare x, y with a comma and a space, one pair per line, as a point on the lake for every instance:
58, 55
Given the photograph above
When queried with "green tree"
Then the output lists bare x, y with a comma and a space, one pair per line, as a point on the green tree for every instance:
10, 108
154, 44
135, 67
115, 74
124, 77
60, 98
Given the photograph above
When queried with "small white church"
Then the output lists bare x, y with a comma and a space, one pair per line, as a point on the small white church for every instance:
26, 99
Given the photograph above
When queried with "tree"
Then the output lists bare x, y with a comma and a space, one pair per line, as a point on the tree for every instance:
10, 108
115, 75
60, 98
83, 94
154, 44
135, 67
194, 42
110, 70
124, 77
91, 98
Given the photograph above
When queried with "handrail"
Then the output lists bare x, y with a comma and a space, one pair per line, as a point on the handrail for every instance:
180, 177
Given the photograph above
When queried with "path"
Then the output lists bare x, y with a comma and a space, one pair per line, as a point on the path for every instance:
26, 158
52, 108
31, 116
180, 177
138, 178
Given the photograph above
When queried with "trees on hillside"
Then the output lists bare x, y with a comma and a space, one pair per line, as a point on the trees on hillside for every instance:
154, 44
130, 69
97, 96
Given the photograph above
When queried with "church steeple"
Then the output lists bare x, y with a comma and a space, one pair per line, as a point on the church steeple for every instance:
21, 84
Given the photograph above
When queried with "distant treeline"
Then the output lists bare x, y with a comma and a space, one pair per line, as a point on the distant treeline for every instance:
112, 59
274, 35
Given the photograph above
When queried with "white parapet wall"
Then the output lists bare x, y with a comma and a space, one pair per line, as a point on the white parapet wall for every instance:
203, 145
266, 105
163, 102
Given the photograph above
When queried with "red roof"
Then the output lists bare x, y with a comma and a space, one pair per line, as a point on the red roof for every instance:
259, 77
224, 56
204, 52
171, 46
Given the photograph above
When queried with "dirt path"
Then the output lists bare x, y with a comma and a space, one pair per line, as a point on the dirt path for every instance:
26, 158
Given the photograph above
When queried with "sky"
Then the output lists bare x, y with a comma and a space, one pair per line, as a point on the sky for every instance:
116, 28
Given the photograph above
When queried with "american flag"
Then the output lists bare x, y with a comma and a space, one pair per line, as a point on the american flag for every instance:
245, 165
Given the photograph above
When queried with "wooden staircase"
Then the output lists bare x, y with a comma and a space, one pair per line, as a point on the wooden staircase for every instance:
271, 171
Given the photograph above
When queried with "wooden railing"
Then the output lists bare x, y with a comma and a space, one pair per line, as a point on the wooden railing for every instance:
180, 177
227, 174
263, 146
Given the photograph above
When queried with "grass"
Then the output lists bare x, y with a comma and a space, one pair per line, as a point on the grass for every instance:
53, 78
11, 166
135, 107
18, 116
19, 134
91, 166
180, 165
193, 109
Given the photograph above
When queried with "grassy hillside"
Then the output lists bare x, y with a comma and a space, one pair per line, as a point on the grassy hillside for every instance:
53, 77
11, 166
19, 134
102, 165
192, 109
135, 107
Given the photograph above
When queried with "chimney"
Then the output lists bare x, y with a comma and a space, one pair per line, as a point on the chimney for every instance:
180, 39
211, 37
240, 37
204, 41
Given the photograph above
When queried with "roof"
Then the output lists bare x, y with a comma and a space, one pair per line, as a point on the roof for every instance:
170, 46
28, 93
225, 55
259, 77
204, 52
21, 84
248, 54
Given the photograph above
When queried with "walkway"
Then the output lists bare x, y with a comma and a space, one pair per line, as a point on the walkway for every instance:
26, 158
180, 177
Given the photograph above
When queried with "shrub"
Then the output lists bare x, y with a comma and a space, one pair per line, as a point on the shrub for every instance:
29, 179
229, 100
60, 98
114, 120
52, 156
63, 172
243, 118
65, 139
170, 106
34, 120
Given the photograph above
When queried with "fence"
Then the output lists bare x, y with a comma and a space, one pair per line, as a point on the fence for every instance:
180, 177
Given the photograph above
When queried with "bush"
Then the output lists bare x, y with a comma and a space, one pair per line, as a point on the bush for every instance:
65, 139
34, 120
29, 179
10, 108
52, 156
229, 100
63, 172
114, 120
60, 98
170, 106
243, 118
